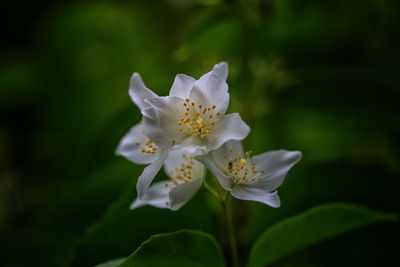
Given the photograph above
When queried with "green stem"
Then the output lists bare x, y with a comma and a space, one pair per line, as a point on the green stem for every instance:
231, 232
212, 191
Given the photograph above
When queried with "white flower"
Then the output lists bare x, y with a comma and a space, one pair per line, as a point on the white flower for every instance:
250, 178
136, 146
193, 115
186, 178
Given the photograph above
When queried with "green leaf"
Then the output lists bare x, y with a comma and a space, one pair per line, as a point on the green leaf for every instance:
183, 248
112, 263
311, 227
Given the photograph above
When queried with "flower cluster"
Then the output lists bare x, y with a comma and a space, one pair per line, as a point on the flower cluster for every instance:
188, 131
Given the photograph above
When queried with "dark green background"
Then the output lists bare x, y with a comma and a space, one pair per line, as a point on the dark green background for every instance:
321, 77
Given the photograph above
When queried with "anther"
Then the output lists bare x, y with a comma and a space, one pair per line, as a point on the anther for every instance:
138, 143
243, 162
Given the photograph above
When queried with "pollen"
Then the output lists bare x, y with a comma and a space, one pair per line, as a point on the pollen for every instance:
148, 147
182, 172
199, 119
242, 162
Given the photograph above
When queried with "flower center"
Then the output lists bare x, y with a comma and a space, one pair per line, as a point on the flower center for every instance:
198, 119
147, 147
184, 172
242, 169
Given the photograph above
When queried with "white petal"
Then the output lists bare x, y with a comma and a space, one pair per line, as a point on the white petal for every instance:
182, 86
244, 192
192, 144
231, 126
153, 130
170, 110
157, 196
276, 165
214, 86
215, 166
180, 194
139, 92
130, 149
149, 173
197, 96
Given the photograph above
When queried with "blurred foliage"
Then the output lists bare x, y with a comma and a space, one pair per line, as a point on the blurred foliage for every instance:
312, 227
321, 77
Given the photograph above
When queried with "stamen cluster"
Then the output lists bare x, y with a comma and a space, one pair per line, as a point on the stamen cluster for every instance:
242, 169
149, 147
184, 173
198, 120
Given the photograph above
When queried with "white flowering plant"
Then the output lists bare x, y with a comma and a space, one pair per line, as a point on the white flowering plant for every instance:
188, 132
